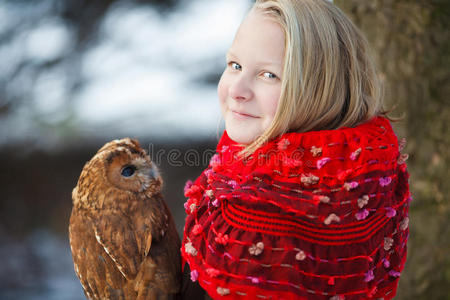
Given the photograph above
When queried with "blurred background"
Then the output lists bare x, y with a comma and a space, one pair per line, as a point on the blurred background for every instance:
75, 74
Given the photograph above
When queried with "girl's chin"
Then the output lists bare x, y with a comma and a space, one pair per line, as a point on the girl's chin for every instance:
241, 135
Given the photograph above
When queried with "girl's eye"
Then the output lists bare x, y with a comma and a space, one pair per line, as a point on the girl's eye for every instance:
235, 66
269, 75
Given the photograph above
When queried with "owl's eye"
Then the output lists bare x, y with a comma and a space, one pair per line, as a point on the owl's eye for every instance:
128, 171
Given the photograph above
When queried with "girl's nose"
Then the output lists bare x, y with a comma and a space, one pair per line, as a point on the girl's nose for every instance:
240, 89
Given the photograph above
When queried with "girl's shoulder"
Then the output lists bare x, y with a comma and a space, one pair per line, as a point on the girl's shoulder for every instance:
377, 130
374, 133
369, 143
313, 158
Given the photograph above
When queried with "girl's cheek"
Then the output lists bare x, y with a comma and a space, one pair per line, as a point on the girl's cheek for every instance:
222, 90
269, 98
274, 106
274, 100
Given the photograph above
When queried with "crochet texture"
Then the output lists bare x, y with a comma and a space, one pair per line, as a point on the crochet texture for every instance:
316, 215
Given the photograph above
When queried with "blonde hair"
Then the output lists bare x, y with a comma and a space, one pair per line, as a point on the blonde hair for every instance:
329, 80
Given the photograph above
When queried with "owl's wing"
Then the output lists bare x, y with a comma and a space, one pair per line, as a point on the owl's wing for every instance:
97, 272
115, 233
162, 262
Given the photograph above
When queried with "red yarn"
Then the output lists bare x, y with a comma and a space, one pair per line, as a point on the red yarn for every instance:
316, 215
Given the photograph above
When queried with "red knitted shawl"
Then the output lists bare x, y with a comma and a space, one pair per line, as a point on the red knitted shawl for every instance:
316, 215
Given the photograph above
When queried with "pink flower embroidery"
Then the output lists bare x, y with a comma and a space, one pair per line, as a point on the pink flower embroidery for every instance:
394, 273
256, 249
197, 229
254, 280
384, 181
350, 185
192, 190
386, 263
233, 184
209, 193
402, 158
222, 291
355, 154
363, 201
215, 162
190, 205
187, 186
320, 198
331, 218
362, 214
300, 255
321, 162
208, 173
309, 179
216, 203
316, 151
221, 238
369, 276
390, 212
194, 275
283, 144
189, 249
212, 272
404, 223
388, 242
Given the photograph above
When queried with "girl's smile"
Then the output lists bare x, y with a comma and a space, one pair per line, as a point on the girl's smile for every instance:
242, 115
250, 86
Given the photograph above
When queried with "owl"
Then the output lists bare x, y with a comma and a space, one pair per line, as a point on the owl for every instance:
122, 235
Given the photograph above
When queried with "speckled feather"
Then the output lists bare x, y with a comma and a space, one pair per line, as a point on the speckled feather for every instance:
122, 236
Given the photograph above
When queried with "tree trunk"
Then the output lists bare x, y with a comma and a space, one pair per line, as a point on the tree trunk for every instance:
411, 46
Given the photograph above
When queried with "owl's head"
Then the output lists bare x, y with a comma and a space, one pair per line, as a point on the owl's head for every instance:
119, 166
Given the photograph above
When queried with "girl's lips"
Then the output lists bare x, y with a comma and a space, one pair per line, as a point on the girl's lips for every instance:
242, 115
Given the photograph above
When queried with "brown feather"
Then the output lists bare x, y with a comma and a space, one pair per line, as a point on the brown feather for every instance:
122, 235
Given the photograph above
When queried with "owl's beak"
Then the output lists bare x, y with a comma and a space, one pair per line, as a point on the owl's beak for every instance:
154, 173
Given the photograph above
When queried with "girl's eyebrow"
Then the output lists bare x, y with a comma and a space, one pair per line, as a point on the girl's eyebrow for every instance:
231, 54
263, 63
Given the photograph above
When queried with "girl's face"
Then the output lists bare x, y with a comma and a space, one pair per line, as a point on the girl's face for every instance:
250, 86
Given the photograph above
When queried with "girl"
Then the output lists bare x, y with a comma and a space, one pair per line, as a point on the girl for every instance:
307, 196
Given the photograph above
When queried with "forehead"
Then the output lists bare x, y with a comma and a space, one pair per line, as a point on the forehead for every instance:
121, 152
260, 37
